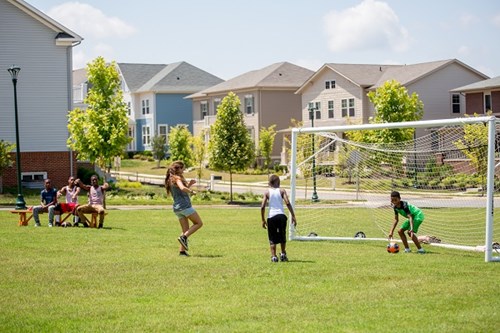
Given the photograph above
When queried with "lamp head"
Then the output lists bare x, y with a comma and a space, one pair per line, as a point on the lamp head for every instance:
14, 71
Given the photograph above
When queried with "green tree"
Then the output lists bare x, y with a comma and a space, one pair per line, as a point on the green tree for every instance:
266, 142
392, 104
230, 148
474, 145
158, 146
199, 153
100, 132
5, 158
179, 140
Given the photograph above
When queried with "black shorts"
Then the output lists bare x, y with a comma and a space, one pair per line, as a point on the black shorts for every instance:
276, 229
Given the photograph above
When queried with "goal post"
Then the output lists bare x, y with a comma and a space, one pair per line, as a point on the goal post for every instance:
340, 188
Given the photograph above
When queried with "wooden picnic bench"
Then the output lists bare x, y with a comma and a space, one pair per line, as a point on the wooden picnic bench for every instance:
25, 216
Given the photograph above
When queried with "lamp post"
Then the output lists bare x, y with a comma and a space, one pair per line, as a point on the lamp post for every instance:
20, 203
314, 197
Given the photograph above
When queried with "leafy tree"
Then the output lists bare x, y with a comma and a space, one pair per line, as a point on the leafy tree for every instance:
266, 142
474, 145
230, 148
5, 158
392, 104
100, 132
158, 146
179, 139
199, 153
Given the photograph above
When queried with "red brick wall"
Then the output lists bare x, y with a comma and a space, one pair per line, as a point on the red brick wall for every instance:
56, 164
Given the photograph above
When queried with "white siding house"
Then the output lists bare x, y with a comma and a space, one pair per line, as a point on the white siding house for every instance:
42, 48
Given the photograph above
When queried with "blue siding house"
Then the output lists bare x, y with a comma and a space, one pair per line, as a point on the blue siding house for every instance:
155, 95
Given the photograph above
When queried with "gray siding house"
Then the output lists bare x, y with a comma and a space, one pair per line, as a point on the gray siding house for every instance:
42, 48
339, 91
267, 98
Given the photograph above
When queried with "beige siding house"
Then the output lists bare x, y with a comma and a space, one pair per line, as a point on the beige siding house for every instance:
338, 92
481, 97
267, 98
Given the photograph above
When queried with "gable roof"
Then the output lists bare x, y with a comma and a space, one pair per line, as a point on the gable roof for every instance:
493, 83
64, 35
373, 76
282, 75
179, 77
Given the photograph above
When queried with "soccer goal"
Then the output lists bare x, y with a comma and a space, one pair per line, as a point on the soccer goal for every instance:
341, 180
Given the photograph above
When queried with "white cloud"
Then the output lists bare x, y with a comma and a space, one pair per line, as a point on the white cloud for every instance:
370, 25
90, 22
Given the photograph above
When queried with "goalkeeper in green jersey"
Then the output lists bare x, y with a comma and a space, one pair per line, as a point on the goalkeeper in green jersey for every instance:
414, 216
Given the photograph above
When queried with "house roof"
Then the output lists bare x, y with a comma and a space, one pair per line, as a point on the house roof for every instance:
64, 35
179, 77
282, 75
493, 83
373, 76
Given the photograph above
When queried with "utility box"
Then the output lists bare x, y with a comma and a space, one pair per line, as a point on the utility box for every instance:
213, 179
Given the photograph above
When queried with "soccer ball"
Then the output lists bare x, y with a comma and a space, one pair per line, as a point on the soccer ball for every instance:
393, 248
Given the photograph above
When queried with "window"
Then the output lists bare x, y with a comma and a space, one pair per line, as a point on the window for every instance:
129, 109
204, 109
487, 103
455, 103
163, 132
330, 84
33, 176
251, 132
347, 106
330, 109
131, 134
146, 135
332, 145
216, 105
317, 106
249, 107
145, 106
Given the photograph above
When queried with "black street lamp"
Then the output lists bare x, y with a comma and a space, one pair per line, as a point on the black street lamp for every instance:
20, 203
314, 197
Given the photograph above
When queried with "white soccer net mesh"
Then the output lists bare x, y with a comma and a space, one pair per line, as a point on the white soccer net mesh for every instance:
443, 172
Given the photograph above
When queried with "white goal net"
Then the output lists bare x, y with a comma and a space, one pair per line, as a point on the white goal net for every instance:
340, 188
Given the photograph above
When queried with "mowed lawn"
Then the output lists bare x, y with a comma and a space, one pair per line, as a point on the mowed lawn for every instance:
129, 277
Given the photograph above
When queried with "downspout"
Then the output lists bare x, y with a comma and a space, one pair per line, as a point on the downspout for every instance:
70, 97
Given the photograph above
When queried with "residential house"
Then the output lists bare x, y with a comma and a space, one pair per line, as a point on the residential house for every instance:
155, 96
267, 96
42, 48
339, 91
480, 97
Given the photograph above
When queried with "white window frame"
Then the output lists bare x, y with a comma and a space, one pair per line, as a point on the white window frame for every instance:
145, 106
331, 110
165, 135
455, 103
249, 104
487, 100
330, 84
146, 135
217, 102
33, 176
131, 134
203, 109
317, 106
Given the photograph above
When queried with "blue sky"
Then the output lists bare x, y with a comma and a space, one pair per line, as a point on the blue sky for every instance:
229, 37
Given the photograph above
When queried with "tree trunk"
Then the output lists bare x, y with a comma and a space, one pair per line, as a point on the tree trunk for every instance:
230, 186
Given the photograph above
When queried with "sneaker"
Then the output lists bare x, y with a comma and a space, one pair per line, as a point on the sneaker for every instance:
37, 224
422, 251
58, 224
75, 224
407, 250
100, 226
274, 259
283, 257
50, 225
183, 254
184, 241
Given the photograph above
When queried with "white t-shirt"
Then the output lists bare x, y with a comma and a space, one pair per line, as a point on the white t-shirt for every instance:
275, 202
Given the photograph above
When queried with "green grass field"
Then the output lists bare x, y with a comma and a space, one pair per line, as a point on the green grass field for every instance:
128, 277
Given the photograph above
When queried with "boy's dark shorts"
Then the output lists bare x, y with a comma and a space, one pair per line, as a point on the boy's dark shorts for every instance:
276, 229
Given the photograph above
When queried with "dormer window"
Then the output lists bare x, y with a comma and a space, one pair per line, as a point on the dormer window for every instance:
330, 84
